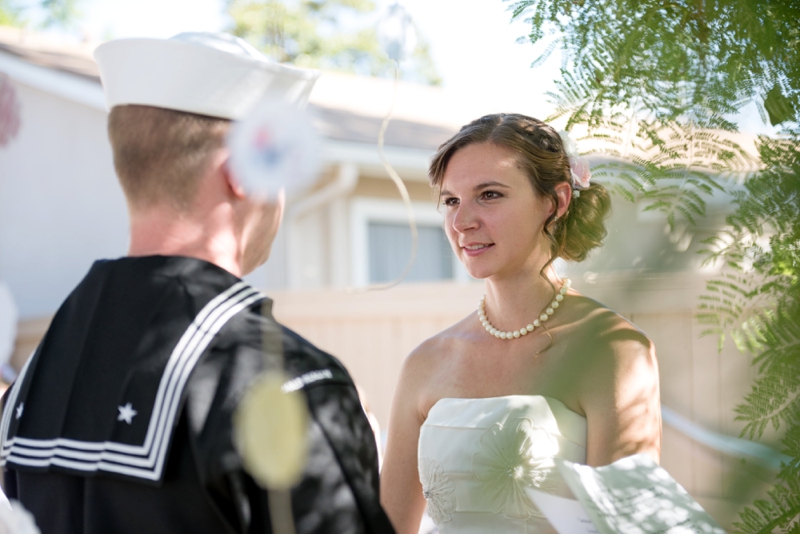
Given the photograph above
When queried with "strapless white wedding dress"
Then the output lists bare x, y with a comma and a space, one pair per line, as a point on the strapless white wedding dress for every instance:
477, 456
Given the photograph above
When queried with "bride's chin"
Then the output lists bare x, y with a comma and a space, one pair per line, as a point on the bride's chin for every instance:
476, 272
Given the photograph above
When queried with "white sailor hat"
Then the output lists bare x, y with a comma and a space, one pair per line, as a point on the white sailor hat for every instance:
213, 74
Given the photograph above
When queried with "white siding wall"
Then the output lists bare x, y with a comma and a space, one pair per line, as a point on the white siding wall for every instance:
60, 204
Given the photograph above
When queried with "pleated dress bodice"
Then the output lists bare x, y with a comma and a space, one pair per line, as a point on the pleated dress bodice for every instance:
478, 456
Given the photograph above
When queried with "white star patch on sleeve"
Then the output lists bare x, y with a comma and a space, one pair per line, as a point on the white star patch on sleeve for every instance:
19, 409
126, 413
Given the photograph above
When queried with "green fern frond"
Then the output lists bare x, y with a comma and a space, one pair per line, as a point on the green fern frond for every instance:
779, 511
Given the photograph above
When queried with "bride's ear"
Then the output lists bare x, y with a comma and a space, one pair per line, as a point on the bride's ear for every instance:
563, 192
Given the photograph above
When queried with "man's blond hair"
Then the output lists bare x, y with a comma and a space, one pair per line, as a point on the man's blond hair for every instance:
160, 154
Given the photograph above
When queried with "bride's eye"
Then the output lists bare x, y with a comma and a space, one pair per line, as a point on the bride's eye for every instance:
490, 195
450, 201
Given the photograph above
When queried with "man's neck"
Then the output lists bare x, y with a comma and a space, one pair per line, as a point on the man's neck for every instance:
165, 233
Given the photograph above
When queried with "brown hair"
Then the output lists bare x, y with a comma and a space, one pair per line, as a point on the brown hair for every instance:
540, 154
159, 154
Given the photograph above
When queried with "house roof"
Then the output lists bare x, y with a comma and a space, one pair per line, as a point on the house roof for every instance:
348, 109
343, 125
62, 56
341, 111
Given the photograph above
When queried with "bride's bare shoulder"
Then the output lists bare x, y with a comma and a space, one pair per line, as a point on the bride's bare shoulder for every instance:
423, 369
442, 345
609, 345
595, 320
436, 355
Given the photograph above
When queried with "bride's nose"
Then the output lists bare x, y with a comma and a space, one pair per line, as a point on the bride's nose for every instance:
465, 218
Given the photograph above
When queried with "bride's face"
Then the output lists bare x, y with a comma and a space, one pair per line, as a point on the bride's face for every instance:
493, 218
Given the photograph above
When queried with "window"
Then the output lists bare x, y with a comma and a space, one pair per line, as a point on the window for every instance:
390, 249
381, 243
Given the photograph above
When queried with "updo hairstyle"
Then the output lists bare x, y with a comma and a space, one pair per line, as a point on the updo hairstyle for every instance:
540, 155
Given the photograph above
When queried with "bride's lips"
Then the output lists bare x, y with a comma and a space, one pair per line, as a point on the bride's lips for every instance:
476, 249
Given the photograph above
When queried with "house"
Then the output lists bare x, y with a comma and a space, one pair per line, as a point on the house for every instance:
60, 208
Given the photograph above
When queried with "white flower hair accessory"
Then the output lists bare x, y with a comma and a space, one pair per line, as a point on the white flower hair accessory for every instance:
578, 166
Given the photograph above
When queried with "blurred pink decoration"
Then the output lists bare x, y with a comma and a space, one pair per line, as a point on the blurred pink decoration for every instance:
581, 175
578, 166
9, 110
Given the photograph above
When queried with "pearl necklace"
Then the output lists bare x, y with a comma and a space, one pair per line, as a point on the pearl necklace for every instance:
525, 330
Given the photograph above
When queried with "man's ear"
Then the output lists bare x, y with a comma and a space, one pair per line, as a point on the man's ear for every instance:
234, 186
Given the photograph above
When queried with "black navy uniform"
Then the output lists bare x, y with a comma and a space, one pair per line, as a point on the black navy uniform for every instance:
121, 420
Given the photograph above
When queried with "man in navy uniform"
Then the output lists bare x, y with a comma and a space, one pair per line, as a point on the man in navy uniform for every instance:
121, 421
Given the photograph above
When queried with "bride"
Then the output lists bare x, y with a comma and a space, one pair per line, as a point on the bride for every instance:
540, 371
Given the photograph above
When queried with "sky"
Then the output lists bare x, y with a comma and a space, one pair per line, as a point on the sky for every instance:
473, 42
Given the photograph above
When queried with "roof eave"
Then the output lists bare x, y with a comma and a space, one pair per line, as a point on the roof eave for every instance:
70, 87
411, 163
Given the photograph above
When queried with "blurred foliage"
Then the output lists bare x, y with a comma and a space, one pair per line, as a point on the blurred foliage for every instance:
61, 13
655, 85
57, 13
328, 34
757, 301
659, 81
10, 13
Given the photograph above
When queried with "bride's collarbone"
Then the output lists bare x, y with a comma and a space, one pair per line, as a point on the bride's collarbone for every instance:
530, 347
518, 367
508, 367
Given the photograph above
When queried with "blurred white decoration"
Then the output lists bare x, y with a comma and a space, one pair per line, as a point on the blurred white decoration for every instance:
8, 324
396, 33
15, 519
9, 110
276, 147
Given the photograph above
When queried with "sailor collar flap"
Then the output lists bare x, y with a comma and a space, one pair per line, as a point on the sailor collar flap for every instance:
112, 409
